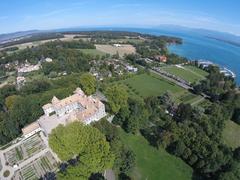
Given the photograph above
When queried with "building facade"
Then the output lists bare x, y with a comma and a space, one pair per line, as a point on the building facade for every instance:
77, 107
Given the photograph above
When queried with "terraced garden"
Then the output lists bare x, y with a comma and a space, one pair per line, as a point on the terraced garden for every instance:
28, 148
38, 168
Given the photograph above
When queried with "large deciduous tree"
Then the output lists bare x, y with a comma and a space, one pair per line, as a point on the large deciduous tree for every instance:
117, 97
88, 83
84, 143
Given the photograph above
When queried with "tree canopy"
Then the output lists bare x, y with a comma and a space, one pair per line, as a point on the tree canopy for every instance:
84, 143
88, 83
117, 97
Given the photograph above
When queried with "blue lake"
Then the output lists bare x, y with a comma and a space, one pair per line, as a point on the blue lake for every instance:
199, 47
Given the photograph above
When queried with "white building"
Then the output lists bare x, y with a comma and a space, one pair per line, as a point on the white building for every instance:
20, 81
117, 45
28, 68
77, 107
31, 129
48, 60
131, 68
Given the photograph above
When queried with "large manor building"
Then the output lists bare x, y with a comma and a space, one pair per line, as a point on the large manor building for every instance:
77, 107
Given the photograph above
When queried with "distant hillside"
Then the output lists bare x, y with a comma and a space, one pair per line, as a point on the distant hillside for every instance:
4, 38
220, 36
38, 36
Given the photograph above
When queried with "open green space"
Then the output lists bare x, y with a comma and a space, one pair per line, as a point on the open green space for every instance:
188, 73
93, 52
189, 98
231, 134
152, 163
196, 70
146, 85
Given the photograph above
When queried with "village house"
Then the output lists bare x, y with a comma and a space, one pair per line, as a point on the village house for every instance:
20, 81
28, 68
161, 58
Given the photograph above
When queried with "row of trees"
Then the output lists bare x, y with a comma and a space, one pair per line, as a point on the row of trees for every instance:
124, 158
63, 53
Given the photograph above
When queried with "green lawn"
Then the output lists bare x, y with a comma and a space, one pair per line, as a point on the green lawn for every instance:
151, 85
231, 134
190, 98
188, 73
93, 52
196, 70
154, 164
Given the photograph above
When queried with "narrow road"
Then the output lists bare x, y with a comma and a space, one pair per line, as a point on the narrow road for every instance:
198, 101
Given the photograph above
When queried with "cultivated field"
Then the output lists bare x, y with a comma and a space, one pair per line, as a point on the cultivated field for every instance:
152, 163
67, 37
231, 134
110, 49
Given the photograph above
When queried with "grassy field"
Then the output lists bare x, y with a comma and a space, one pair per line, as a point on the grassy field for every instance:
145, 85
231, 134
151, 85
188, 73
152, 163
196, 70
93, 52
189, 98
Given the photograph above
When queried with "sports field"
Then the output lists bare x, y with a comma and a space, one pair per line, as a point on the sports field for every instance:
231, 134
189, 73
152, 163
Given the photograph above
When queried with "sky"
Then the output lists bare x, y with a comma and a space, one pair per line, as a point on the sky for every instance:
20, 15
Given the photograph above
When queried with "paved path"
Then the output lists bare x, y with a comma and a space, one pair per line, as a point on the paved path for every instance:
198, 101
3, 162
25, 162
109, 174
